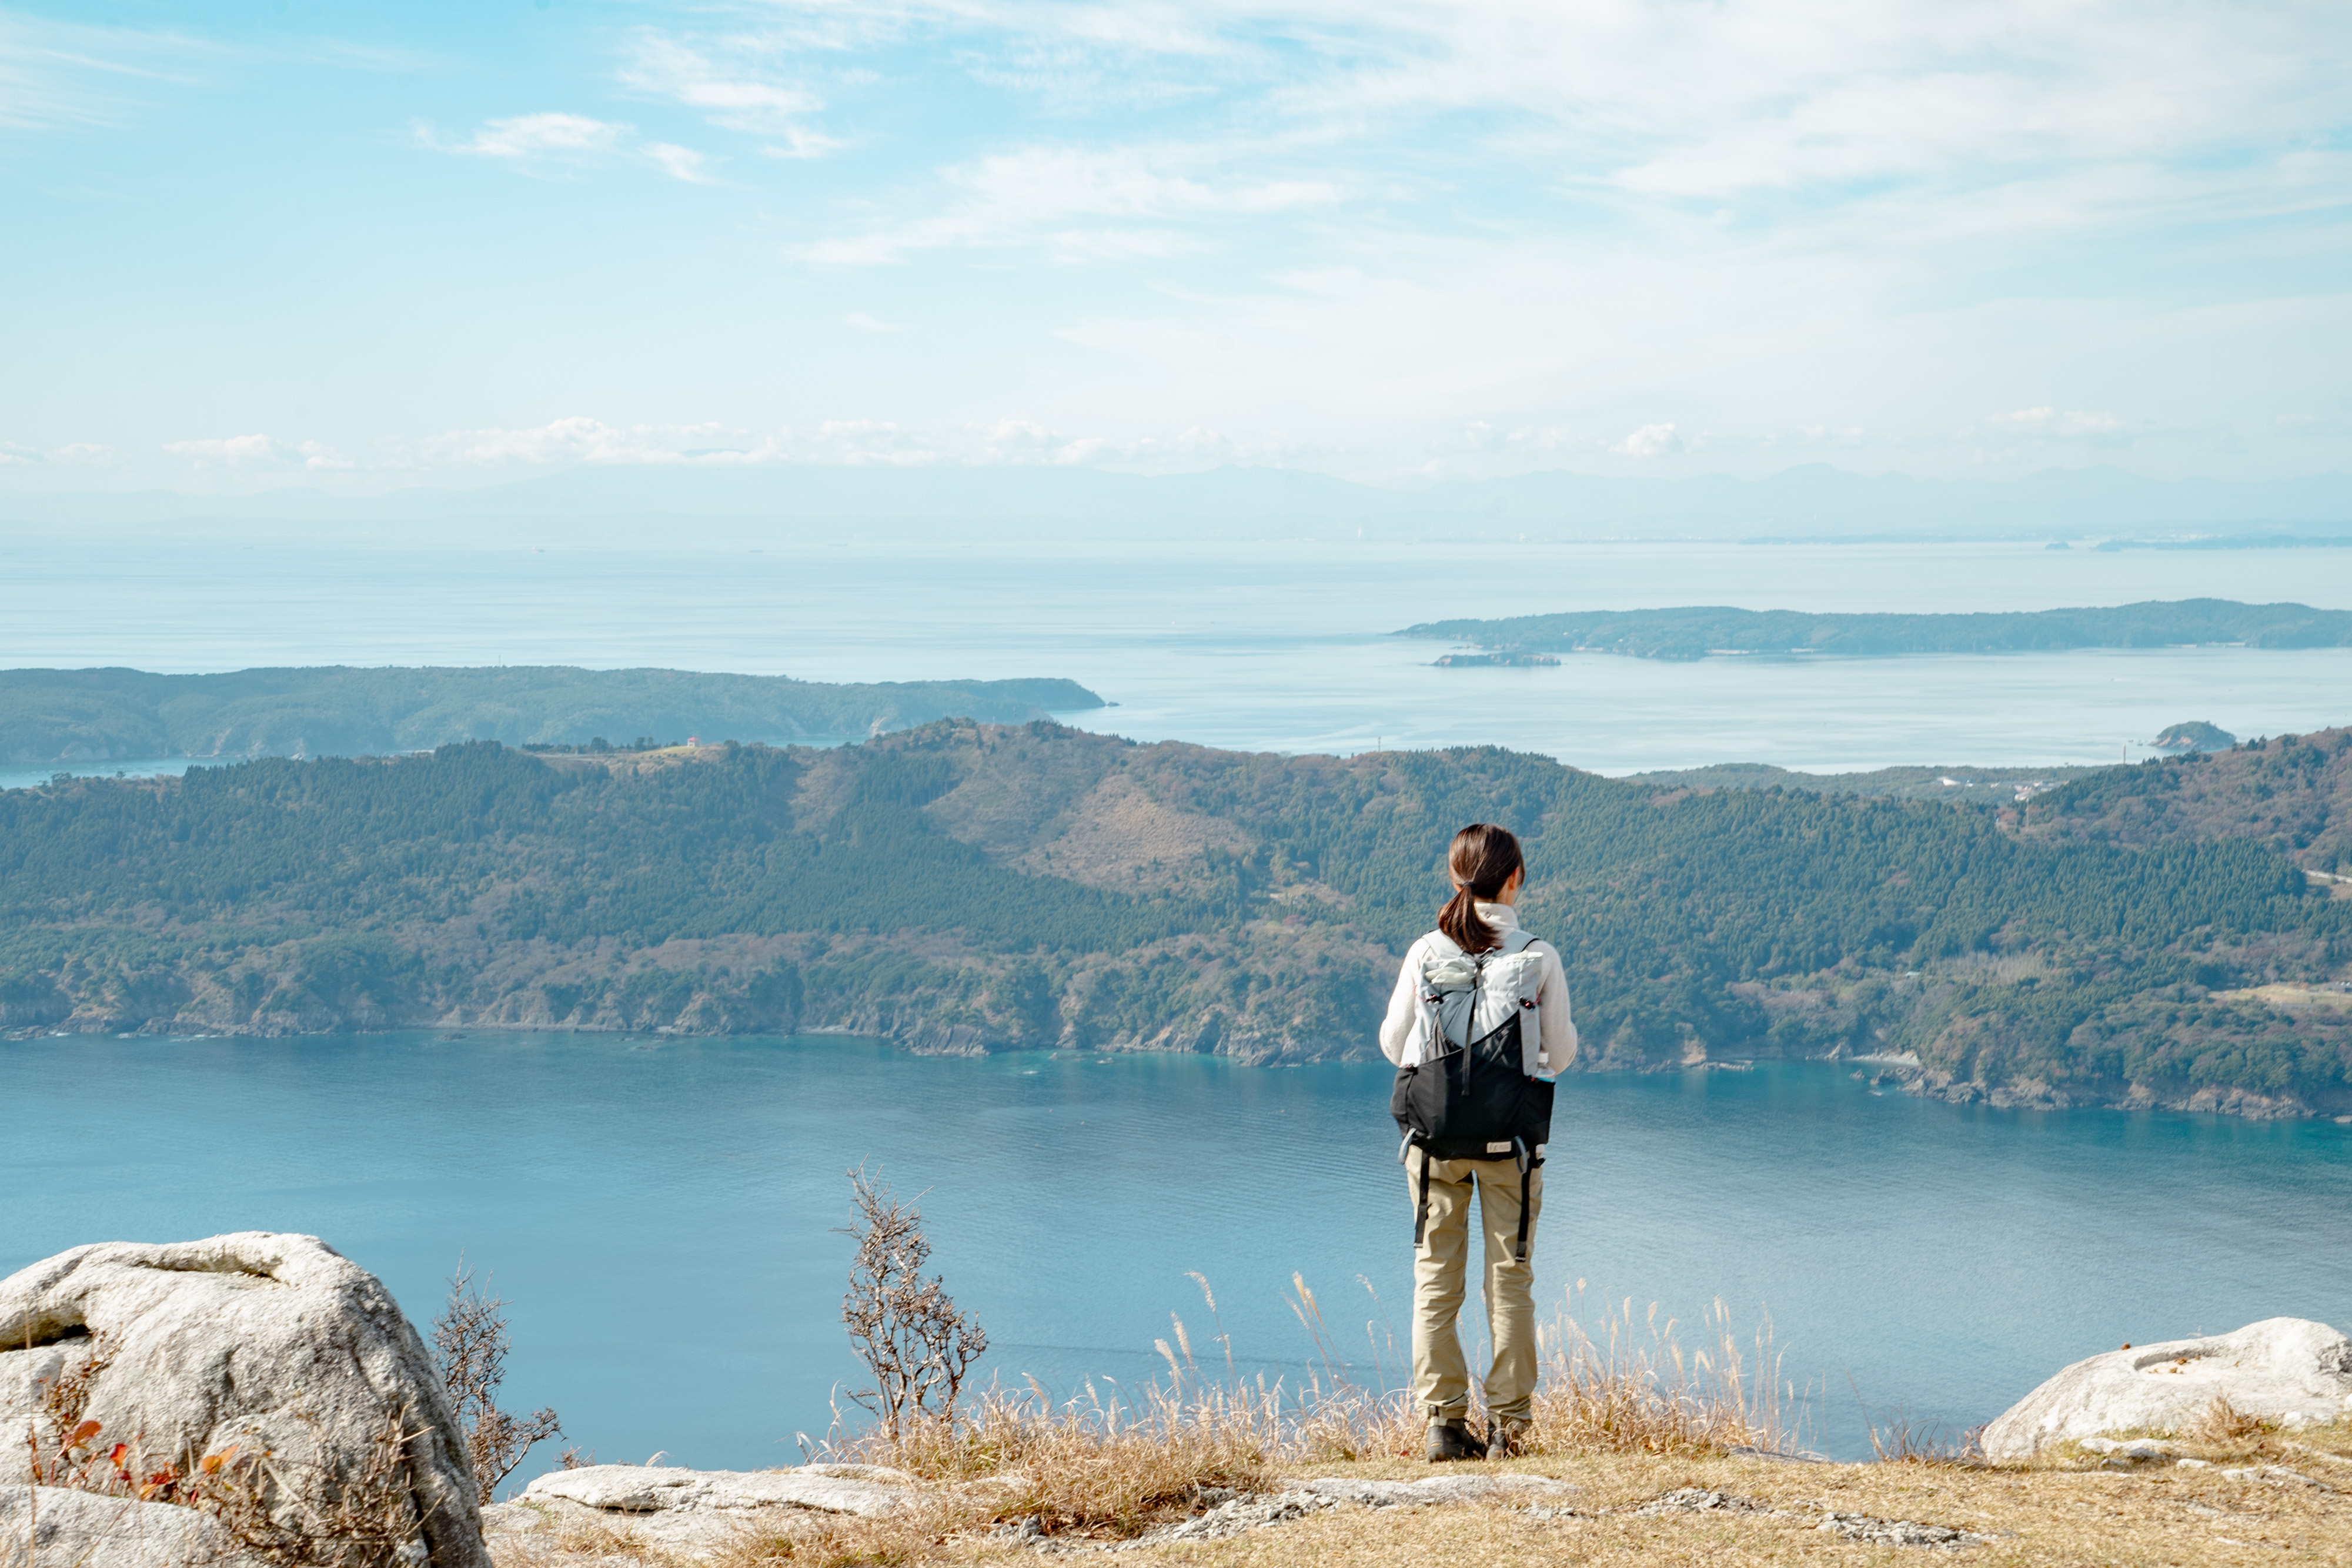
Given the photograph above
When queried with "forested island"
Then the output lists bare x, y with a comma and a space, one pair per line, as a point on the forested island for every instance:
2168, 933
103, 716
1697, 632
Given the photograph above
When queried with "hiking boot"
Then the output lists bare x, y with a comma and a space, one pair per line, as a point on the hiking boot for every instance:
1451, 1440
1510, 1438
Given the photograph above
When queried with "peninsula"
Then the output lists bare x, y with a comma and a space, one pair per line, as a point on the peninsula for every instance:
1697, 632
103, 716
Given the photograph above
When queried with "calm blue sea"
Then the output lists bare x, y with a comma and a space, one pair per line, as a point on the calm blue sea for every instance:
661, 1214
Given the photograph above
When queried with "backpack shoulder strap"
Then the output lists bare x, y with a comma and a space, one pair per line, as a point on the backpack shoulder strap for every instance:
1517, 939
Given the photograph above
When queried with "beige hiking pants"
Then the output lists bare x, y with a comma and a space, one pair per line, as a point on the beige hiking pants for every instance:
1441, 1381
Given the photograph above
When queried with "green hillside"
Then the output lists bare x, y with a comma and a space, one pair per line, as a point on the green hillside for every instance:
1695, 632
963, 887
100, 716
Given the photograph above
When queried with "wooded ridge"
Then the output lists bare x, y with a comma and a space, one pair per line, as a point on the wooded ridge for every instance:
964, 887
109, 715
1695, 632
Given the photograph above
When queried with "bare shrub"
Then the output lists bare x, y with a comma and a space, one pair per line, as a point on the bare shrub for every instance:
469, 1346
309, 1514
274, 1509
71, 1456
2223, 1424
913, 1338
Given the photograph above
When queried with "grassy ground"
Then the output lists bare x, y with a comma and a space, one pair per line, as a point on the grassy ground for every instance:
2033, 1517
2068, 1511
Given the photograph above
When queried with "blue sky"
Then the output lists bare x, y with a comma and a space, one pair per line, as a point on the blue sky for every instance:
366, 245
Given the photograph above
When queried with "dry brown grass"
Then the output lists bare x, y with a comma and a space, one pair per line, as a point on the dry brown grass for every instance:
2223, 1424
1629, 1386
1094, 1467
2043, 1517
1625, 1416
1114, 1467
2034, 1519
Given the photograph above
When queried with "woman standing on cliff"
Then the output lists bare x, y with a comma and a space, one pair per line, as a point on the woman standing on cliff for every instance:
1478, 1027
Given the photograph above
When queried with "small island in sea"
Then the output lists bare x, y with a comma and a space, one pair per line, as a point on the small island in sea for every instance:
2195, 735
1507, 656
1698, 632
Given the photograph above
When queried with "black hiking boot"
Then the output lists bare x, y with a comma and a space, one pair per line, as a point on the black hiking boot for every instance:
1511, 1440
1450, 1441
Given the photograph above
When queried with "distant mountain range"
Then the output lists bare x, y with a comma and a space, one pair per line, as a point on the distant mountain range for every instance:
1695, 632
104, 716
809, 506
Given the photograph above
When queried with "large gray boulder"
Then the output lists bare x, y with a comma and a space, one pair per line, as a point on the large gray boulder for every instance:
87, 1531
271, 1342
2288, 1370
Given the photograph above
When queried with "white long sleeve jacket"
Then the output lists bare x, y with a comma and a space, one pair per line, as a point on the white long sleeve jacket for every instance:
1555, 1028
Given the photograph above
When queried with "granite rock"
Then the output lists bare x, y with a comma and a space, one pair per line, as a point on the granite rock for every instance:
2288, 1370
272, 1342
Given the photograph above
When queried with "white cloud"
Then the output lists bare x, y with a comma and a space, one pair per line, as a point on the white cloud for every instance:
799, 143
2062, 425
538, 143
1082, 202
526, 137
261, 451
582, 439
60, 74
734, 94
681, 163
85, 455
2002, 116
1651, 441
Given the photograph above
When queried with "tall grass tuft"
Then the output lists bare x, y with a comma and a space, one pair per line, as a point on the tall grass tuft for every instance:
1625, 1385
1095, 1464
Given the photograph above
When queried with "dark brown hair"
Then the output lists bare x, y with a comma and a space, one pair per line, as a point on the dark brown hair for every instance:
1482, 860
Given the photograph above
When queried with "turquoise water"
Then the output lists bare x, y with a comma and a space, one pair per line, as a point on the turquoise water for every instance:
661, 1214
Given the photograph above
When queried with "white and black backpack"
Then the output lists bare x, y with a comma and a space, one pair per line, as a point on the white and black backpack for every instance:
1468, 1089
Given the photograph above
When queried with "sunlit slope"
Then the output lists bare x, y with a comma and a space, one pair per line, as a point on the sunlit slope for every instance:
963, 886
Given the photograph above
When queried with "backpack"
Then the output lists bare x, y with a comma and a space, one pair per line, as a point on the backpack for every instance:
1471, 1096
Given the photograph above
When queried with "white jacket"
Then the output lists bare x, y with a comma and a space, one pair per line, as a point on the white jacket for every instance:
1555, 1029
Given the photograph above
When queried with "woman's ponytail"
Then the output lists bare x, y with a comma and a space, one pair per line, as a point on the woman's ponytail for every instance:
1482, 859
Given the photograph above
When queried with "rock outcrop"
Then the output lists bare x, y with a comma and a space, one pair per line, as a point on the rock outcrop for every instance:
676, 1510
866, 1490
92, 1531
271, 1343
2288, 1370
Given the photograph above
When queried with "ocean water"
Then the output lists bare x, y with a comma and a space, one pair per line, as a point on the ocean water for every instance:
661, 1214
1271, 647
